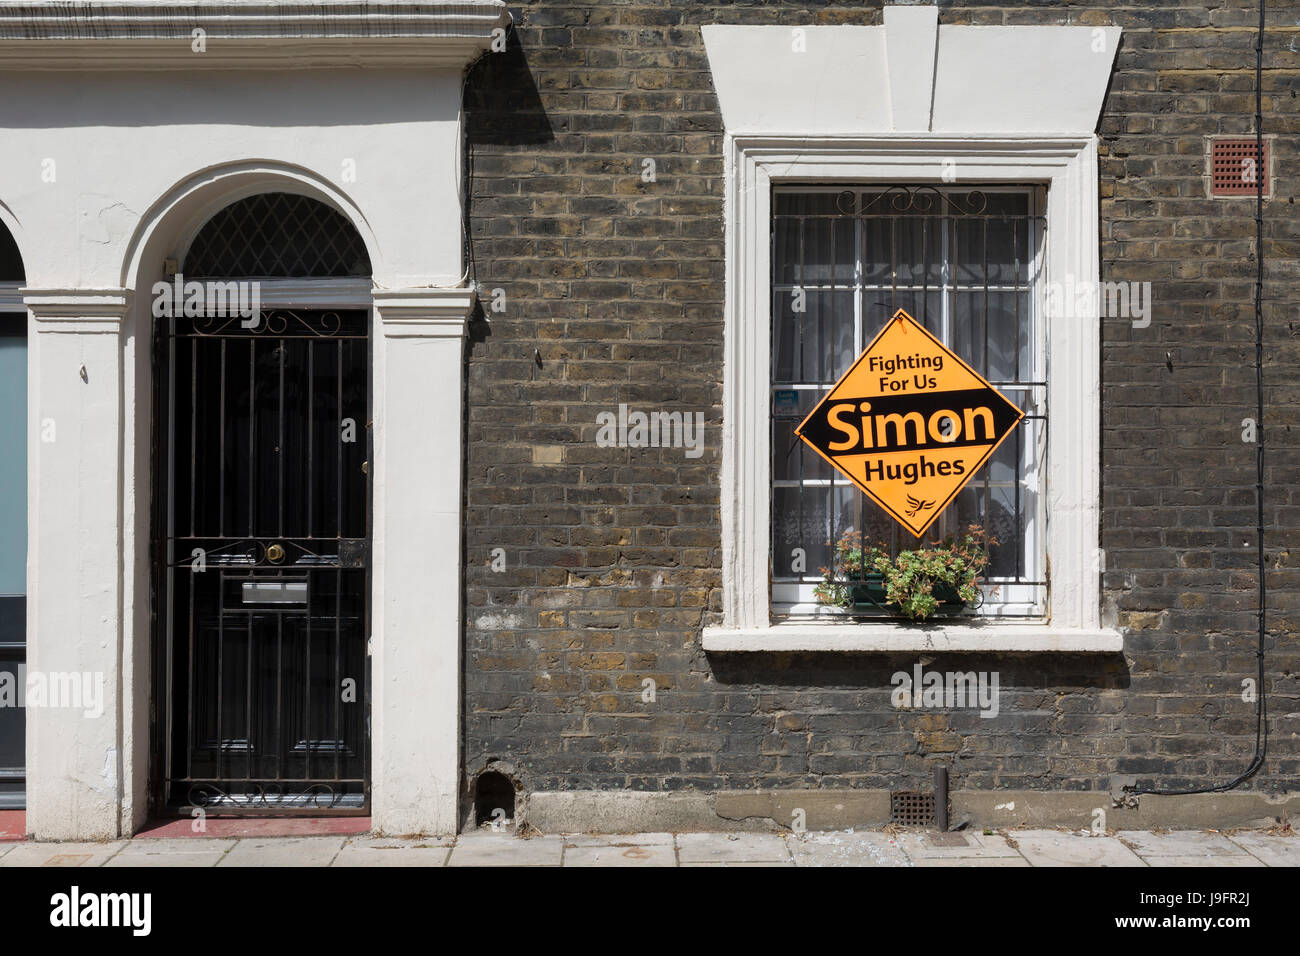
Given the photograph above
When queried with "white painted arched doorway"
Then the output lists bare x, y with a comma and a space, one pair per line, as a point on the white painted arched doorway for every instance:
261, 519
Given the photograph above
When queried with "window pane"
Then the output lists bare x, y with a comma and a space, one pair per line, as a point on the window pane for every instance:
877, 309
815, 345
959, 263
1000, 204
877, 251
815, 338
839, 305
807, 204
785, 250
1005, 255
967, 337
827, 251
968, 265
1003, 497
802, 518
792, 459
785, 337
813, 243
1006, 338
918, 251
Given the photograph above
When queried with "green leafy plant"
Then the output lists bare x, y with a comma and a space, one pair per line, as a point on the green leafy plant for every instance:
952, 567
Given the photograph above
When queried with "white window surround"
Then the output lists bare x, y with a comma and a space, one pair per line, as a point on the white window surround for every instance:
903, 138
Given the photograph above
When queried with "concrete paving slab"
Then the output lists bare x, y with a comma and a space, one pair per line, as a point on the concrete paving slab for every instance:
846, 848
618, 839
1271, 850
1054, 848
1193, 843
964, 861
1213, 861
178, 860
740, 863
382, 852
61, 854
284, 851
620, 856
503, 849
872, 848
171, 853
418, 843
919, 846
732, 848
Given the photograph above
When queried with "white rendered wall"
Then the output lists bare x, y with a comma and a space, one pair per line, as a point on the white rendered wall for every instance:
102, 177
74, 756
419, 345
120, 142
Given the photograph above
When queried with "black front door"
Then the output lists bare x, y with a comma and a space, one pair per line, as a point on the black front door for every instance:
263, 552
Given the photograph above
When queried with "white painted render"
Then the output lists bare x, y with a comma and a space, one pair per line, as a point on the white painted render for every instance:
120, 145
910, 75
774, 138
987, 638
104, 175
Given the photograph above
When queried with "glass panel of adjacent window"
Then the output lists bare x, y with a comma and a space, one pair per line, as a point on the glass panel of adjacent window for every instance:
964, 262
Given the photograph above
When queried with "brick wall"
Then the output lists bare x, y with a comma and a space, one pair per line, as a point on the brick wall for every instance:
613, 293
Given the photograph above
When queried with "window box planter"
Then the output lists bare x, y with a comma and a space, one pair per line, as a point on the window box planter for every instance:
914, 585
869, 600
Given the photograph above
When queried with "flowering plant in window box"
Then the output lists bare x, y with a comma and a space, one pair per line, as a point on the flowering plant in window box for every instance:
940, 579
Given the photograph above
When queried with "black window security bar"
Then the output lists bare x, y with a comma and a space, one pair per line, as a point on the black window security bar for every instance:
965, 263
277, 235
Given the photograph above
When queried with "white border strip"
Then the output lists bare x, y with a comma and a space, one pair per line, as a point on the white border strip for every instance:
904, 638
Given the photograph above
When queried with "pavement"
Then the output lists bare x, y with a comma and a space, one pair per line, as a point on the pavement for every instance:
1136, 848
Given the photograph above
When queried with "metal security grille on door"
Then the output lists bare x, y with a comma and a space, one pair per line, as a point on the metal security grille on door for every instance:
965, 263
264, 560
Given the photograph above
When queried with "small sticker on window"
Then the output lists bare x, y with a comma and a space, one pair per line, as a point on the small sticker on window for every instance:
785, 403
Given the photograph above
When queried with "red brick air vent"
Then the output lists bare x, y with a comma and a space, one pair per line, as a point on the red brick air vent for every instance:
1234, 165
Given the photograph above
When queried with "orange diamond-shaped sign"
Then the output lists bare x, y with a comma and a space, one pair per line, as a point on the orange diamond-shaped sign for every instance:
909, 423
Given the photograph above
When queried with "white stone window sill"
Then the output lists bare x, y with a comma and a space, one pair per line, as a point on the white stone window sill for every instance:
1030, 637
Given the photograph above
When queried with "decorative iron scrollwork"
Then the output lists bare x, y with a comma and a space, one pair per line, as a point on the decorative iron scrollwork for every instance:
273, 322
249, 553
898, 200
262, 797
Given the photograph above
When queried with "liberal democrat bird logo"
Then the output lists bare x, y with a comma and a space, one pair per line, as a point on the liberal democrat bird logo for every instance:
915, 505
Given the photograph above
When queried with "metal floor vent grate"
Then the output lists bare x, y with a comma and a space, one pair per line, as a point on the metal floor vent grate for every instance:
911, 808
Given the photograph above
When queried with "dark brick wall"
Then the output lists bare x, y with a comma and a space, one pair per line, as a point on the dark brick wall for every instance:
612, 554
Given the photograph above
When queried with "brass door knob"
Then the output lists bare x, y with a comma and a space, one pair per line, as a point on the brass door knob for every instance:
275, 553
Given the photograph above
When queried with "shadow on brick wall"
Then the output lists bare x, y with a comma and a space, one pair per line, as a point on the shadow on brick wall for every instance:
1063, 673
502, 105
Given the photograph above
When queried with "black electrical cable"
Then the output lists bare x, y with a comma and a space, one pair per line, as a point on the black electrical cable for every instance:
1261, 710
